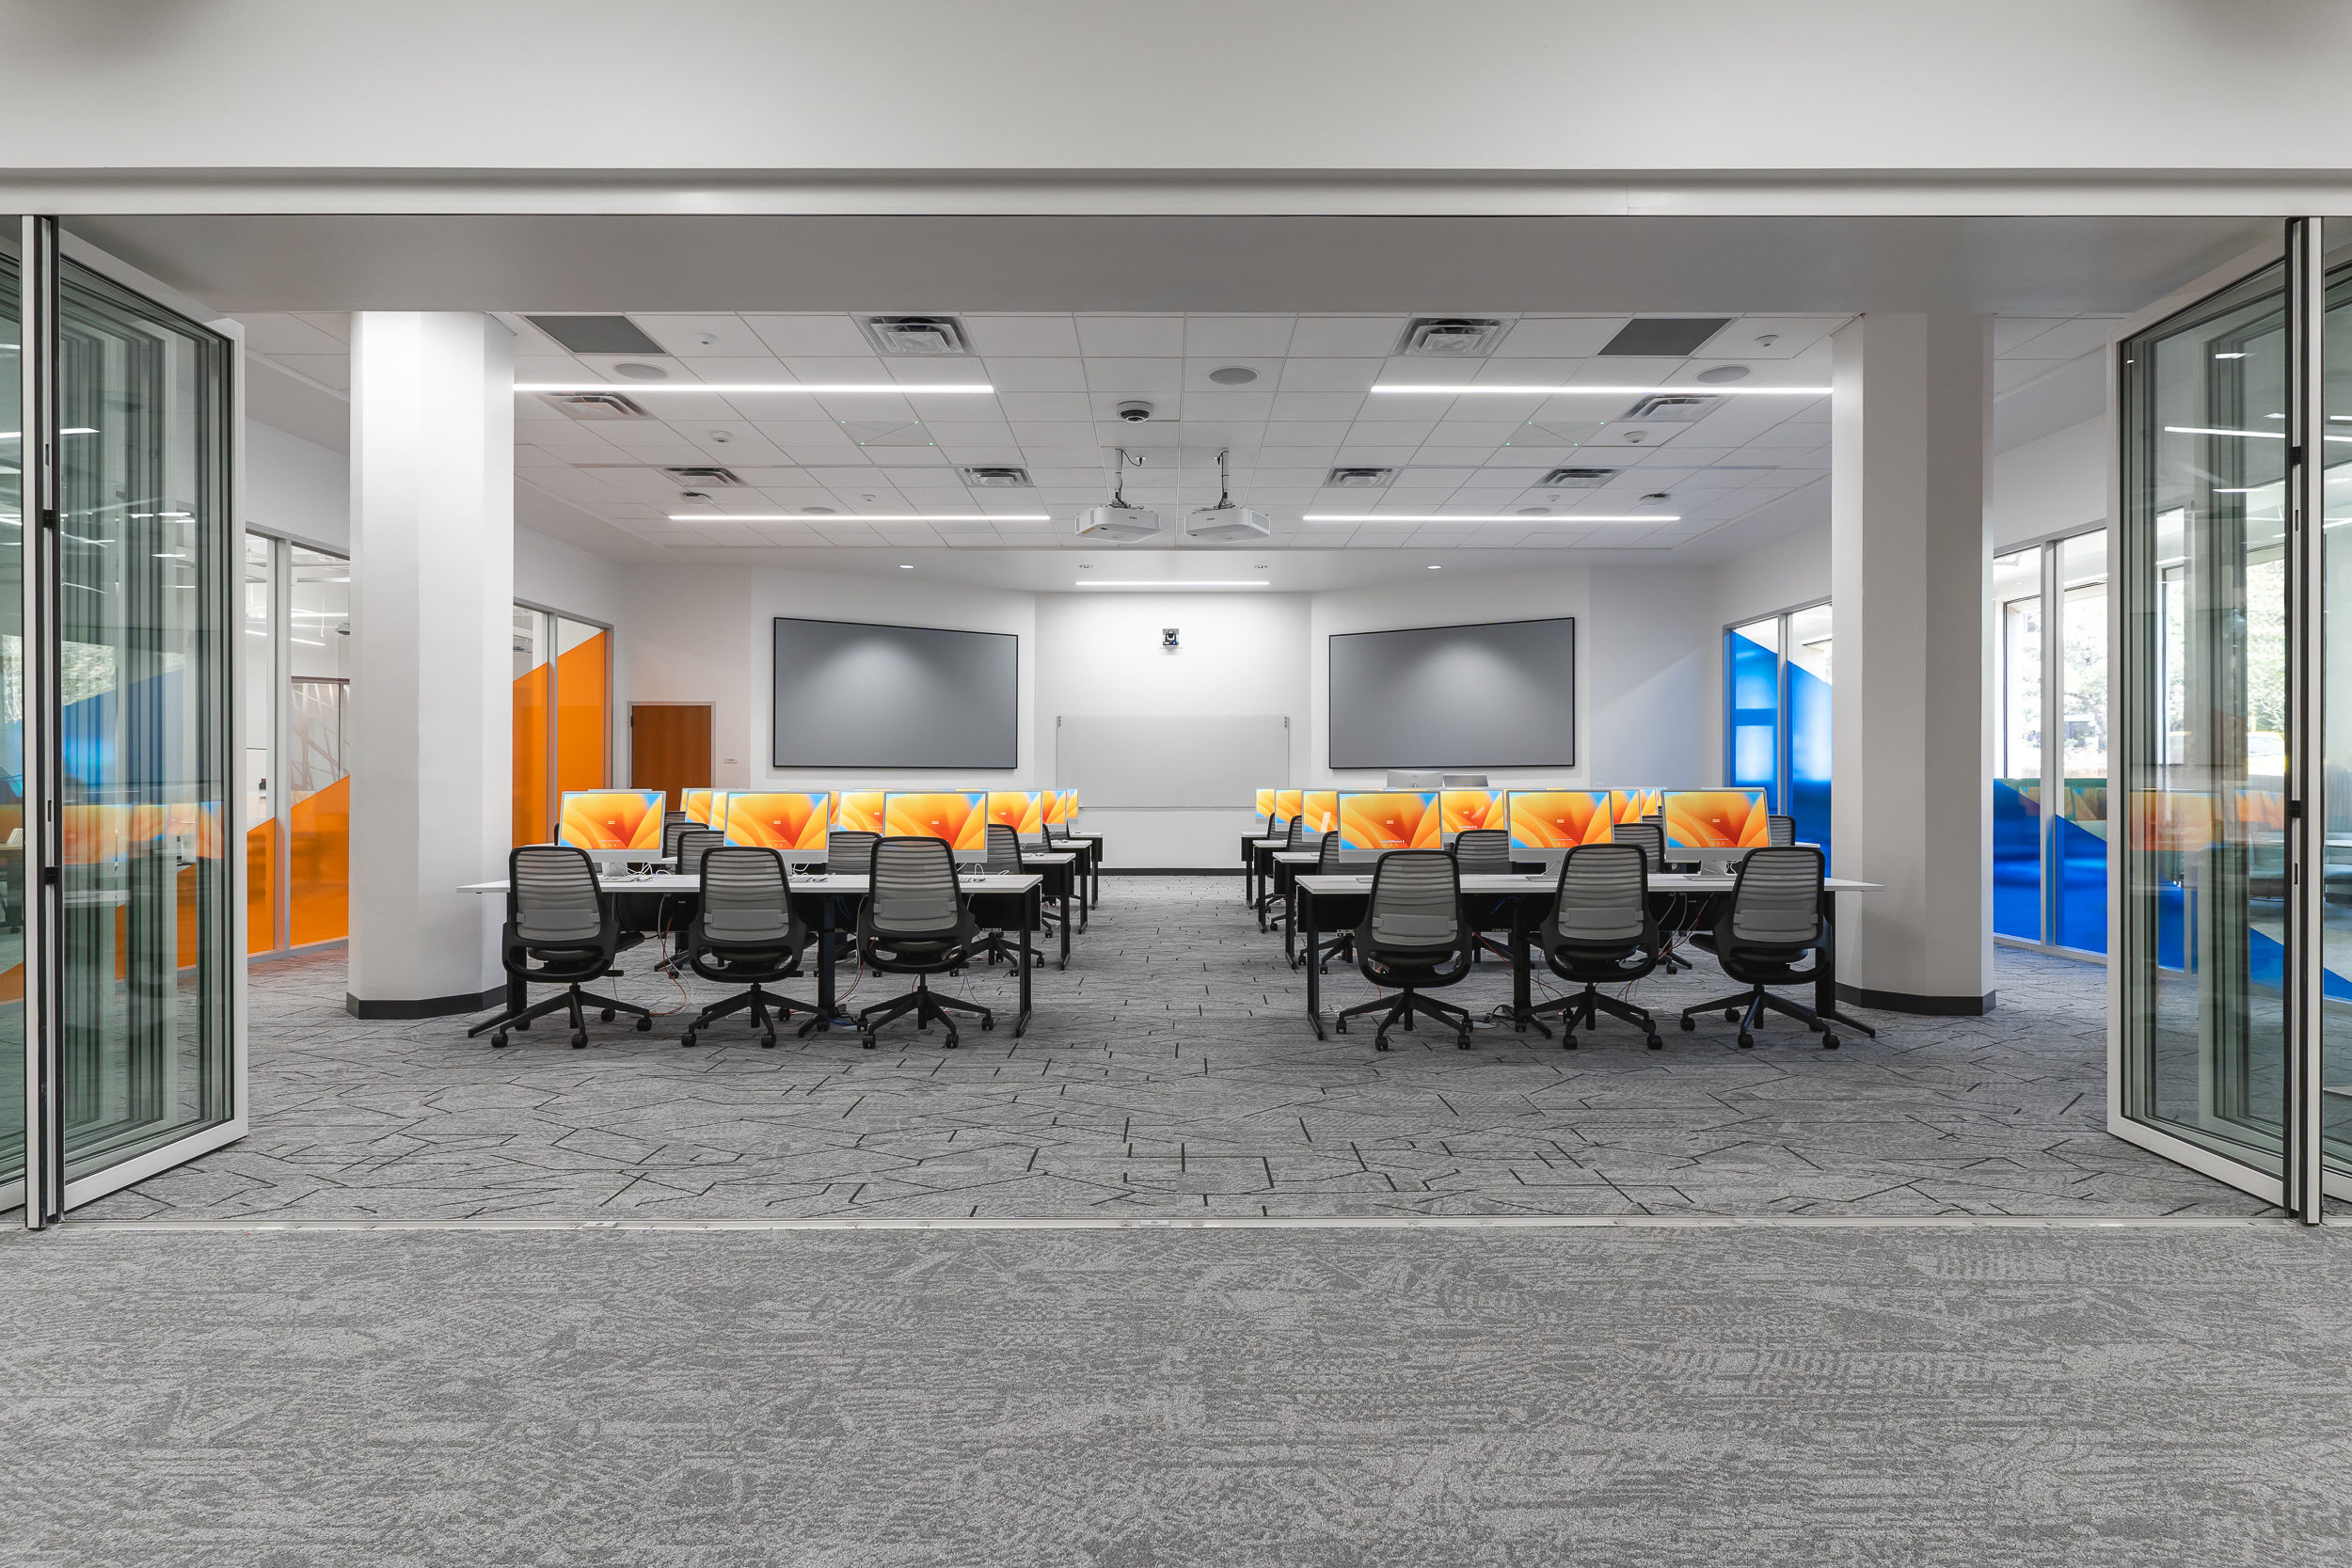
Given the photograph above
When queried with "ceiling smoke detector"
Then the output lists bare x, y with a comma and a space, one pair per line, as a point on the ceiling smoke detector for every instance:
598, 405
1576, 478
1225, 523
920, 337
996, 478
1450, 337
1358, 479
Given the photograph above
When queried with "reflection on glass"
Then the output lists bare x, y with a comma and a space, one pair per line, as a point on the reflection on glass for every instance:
146, 554
2079, 833
11, 734
318, 766
2200, 956
1809, 726
582, 733
2335, 1100
2017, 741
260, 821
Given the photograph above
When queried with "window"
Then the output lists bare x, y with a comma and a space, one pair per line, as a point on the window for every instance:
2050, 801
296, 751
1777, 715
563, 715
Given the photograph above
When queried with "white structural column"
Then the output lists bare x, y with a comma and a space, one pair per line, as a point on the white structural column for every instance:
1910, 578
431, 691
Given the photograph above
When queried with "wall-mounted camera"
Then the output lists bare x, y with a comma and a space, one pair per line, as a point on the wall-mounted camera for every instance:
1168, 637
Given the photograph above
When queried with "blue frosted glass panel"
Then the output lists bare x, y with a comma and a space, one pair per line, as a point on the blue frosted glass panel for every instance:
2016, 862
1752, 718
1809, 757
2080, 917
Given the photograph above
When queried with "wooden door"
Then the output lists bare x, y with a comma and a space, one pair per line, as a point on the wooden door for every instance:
669, 747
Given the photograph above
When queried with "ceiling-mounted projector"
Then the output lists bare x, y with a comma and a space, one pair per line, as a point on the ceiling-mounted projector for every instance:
1225, 523
1119, 520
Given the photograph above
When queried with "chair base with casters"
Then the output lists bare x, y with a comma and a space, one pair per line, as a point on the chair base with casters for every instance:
574, 1001
759, 1003
927, 1006
1402, 1009
1747, 1009
1584, 1008
1327, 948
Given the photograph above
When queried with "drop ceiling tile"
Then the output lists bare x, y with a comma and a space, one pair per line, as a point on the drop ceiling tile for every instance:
1391, 432
1329, 375
1130, 335
1307, 433
1039, 373
1557, 336
1230, 338
273, 334
825, 334
1472, 435
1291, 407
1120, 375
1527, 373
1022, 408
705, 336
742, 448
1023, 336
329, 370
1345, 336
1055, 434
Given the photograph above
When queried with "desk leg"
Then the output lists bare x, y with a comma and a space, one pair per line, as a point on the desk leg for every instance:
828, 1013
1028, 918
1289, 920
1523, 974
1825, 988
1314, 972
1076, 873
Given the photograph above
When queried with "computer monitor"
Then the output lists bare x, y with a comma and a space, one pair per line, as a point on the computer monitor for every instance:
958, 816
1265, 804
1058, 807
1321, 808
1069, 806
695, 804
1372, 820
1550, 822
1632, 805
791, 822
613, 825
1714, 825
1022, 810
1287, 803
1460, 810
858, 810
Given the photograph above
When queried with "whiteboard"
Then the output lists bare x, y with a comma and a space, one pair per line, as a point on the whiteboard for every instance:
1124, 763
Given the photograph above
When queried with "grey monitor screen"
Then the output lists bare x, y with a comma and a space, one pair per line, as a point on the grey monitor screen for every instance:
850, 694
1496, 694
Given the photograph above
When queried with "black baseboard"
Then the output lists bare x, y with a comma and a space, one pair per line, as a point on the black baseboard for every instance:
1171, 871
429, 1006
1927, 1007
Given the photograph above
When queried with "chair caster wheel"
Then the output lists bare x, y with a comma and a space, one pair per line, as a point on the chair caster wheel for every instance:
645, 1025
866, 1041
605, 1015
1689, 1023
1340, 1024
580, 1040
988, 1024
1379, 1044
498, 1041
1829, 1042
1568, 1040
1462, 1040
1747, 1041
768, 1042
949, 1043
686, 1039
1656, 1042
1731, 1015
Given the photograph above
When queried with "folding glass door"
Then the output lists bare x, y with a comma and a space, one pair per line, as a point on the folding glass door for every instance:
125, 998
2050, 801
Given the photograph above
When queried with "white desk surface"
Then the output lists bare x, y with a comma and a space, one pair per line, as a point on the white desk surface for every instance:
675, 881
1660, 882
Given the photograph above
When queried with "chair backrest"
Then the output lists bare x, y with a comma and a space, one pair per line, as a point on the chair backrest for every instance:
1277, 826
693, 845
1298, 831
1776, 901
673, 824
916, 891
1647, 834
1483, 851
554, 896
1003, 847
852, 852
1604, 895
747, 895
1416, 902
1780, 832
1328, 853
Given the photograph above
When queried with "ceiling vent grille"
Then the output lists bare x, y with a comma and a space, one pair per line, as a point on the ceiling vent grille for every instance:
922, 337
598, 406
1450, 337
1668, 408
1576, 478
993, 477
703, 478
1358, 479
598, 334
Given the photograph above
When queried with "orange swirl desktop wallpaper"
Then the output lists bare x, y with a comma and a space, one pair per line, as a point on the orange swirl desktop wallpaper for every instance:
612, 818
961, 819
1057, 806
695, 804
1286, 803
1716, 818
1632, 805
1558, 819
1321, 808
1022, 810
1460, 810
858, 810
792, 819
1266, 802
1388, 820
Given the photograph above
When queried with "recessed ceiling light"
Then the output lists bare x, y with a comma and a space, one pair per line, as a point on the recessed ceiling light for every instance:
803, 388
1482, 518
818, 511
906, 565
1436, 568
641, 373
1715, 375
1488, 389
1233, 375
1124, 582
1535, 511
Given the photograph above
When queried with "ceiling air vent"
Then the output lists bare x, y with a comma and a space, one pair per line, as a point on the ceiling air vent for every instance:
1450, 337
704, 477
598, 405
1358, 479
598, 334
1664, 335
925, 336
992, 478
1576, 478
1668, 408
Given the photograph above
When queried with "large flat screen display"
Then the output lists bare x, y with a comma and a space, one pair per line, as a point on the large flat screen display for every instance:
849, 694
1496, 694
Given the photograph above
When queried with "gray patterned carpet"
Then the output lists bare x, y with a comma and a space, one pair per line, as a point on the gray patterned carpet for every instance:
1880, 1397
1170, 1072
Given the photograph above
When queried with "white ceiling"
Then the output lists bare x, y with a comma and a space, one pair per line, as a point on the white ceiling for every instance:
1745, 472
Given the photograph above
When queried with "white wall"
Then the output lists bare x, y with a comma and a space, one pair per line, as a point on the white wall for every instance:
2052, 485
296, 489
1238, 654
1654, 677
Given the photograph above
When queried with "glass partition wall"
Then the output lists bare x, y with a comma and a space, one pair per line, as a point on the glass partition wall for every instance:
563, 715
1777, 715
297, 785
2050, 802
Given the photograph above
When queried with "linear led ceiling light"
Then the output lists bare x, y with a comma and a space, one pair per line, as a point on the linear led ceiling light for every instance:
1490, 390
739, 388
1486, 517
1253, 582
861, 517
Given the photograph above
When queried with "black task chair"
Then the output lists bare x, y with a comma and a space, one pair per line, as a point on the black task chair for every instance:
1780, 832
1764, 933
1486, 852
1338, 944
1413, 938
556, 913
1652, 839
915, 921
851, 851
1294, 836
1601, 932
746, 933
1004, 855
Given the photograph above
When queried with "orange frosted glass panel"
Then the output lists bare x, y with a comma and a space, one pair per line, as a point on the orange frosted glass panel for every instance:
1558, 819
1022, 810
960, 819
612, 819
858, 810
1461, 810
580, 715
785, 819
531, 755
260, 887
320, 862
1321, 808
1715, 819
1388, 819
